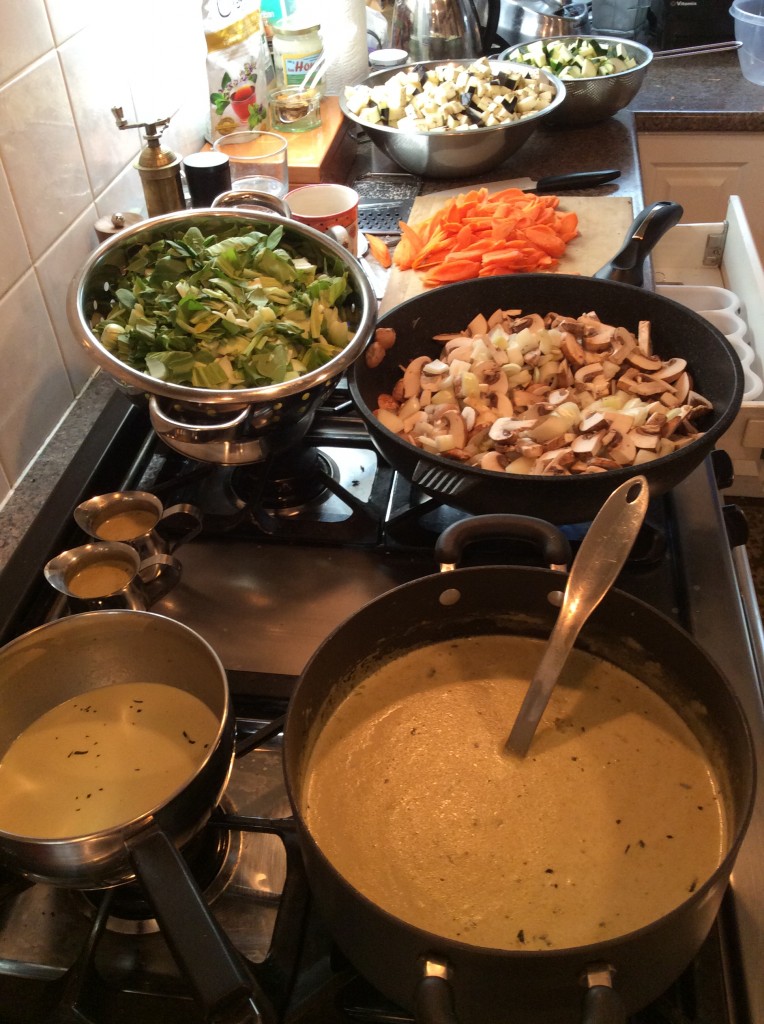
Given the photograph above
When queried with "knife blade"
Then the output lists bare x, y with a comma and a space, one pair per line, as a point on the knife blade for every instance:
564, 182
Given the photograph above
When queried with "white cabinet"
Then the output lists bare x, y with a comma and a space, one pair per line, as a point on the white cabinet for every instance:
701, 170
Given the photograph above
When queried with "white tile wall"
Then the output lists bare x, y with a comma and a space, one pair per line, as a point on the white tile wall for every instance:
63, 164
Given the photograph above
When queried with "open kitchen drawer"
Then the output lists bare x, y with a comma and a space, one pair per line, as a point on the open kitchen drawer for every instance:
699, 265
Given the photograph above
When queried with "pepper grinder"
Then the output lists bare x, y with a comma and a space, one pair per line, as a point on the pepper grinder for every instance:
158, 167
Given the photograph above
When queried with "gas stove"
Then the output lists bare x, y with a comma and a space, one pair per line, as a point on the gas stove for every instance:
288, 550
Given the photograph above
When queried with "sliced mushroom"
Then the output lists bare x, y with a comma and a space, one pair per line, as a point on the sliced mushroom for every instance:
505, 427
412, 375
671, 369
587, 444
579, 397
491, 377
587, 373
494, 461
572, 350
647, 363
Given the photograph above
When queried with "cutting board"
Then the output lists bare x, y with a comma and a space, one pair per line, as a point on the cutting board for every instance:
602, 225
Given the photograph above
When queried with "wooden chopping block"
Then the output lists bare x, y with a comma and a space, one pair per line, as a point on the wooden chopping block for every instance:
602, 225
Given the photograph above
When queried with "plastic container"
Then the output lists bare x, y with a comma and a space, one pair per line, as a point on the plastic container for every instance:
748, 16
701, 297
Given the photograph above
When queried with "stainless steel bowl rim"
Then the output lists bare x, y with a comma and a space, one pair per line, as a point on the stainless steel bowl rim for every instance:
145, 383
643, 51
497, 64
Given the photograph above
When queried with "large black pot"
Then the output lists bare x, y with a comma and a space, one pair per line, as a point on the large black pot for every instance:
489, 986
676, 331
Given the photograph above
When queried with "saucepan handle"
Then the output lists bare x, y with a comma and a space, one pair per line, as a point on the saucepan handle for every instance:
603, 1005
649, 226
435, 1001
222, 985
552, 543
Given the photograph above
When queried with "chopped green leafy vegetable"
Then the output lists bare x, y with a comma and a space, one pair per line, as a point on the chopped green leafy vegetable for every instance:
227, 311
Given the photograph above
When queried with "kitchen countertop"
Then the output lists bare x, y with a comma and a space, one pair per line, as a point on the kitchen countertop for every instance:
685, 94
702, 94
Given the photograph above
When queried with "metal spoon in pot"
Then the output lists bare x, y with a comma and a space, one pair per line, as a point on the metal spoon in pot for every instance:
600, 558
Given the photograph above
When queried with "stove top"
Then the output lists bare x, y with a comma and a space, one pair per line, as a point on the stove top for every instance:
287, 552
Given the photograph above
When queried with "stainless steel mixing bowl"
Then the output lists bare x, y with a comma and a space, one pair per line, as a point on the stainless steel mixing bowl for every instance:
455, 154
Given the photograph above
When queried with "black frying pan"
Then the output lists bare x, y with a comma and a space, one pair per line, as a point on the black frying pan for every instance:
676, 331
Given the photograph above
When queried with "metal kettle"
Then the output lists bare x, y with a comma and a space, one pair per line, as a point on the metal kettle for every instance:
442, 29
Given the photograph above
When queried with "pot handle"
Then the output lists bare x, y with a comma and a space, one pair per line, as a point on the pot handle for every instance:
187, 525
553, 543
647, 229
221, 983
603, 1005
164, 424
435, 1002
158, 576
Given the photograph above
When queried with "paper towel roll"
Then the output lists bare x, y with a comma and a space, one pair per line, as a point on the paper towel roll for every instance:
343, 30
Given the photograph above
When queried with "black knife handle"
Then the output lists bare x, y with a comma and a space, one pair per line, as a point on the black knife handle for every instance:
578, 179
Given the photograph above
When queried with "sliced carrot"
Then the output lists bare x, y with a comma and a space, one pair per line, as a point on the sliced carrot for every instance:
479, 233
379, 250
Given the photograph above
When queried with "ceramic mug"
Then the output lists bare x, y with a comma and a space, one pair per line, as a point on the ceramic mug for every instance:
332, 209
111, 574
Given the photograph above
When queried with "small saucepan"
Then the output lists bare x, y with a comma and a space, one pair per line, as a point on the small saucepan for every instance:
83, 661
441, 977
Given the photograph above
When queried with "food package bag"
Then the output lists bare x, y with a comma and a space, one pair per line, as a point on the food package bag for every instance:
239, 66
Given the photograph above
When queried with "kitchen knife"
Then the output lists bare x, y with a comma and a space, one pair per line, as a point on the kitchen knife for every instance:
564, 182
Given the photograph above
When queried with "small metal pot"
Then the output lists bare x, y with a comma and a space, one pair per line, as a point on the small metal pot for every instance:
228, 427
55, 662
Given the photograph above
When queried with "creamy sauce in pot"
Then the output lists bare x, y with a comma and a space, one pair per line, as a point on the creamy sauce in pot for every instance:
612, 819
102, 759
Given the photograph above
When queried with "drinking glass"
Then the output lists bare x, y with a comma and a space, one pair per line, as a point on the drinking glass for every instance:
258, 161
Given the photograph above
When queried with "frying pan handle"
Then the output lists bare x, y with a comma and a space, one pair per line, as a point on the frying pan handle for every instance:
221, 983
552, 542
647, 229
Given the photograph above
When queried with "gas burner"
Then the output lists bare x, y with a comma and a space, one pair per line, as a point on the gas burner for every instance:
291, 483
211, 856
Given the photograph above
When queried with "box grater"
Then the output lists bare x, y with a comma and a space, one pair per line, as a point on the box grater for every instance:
385, 199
